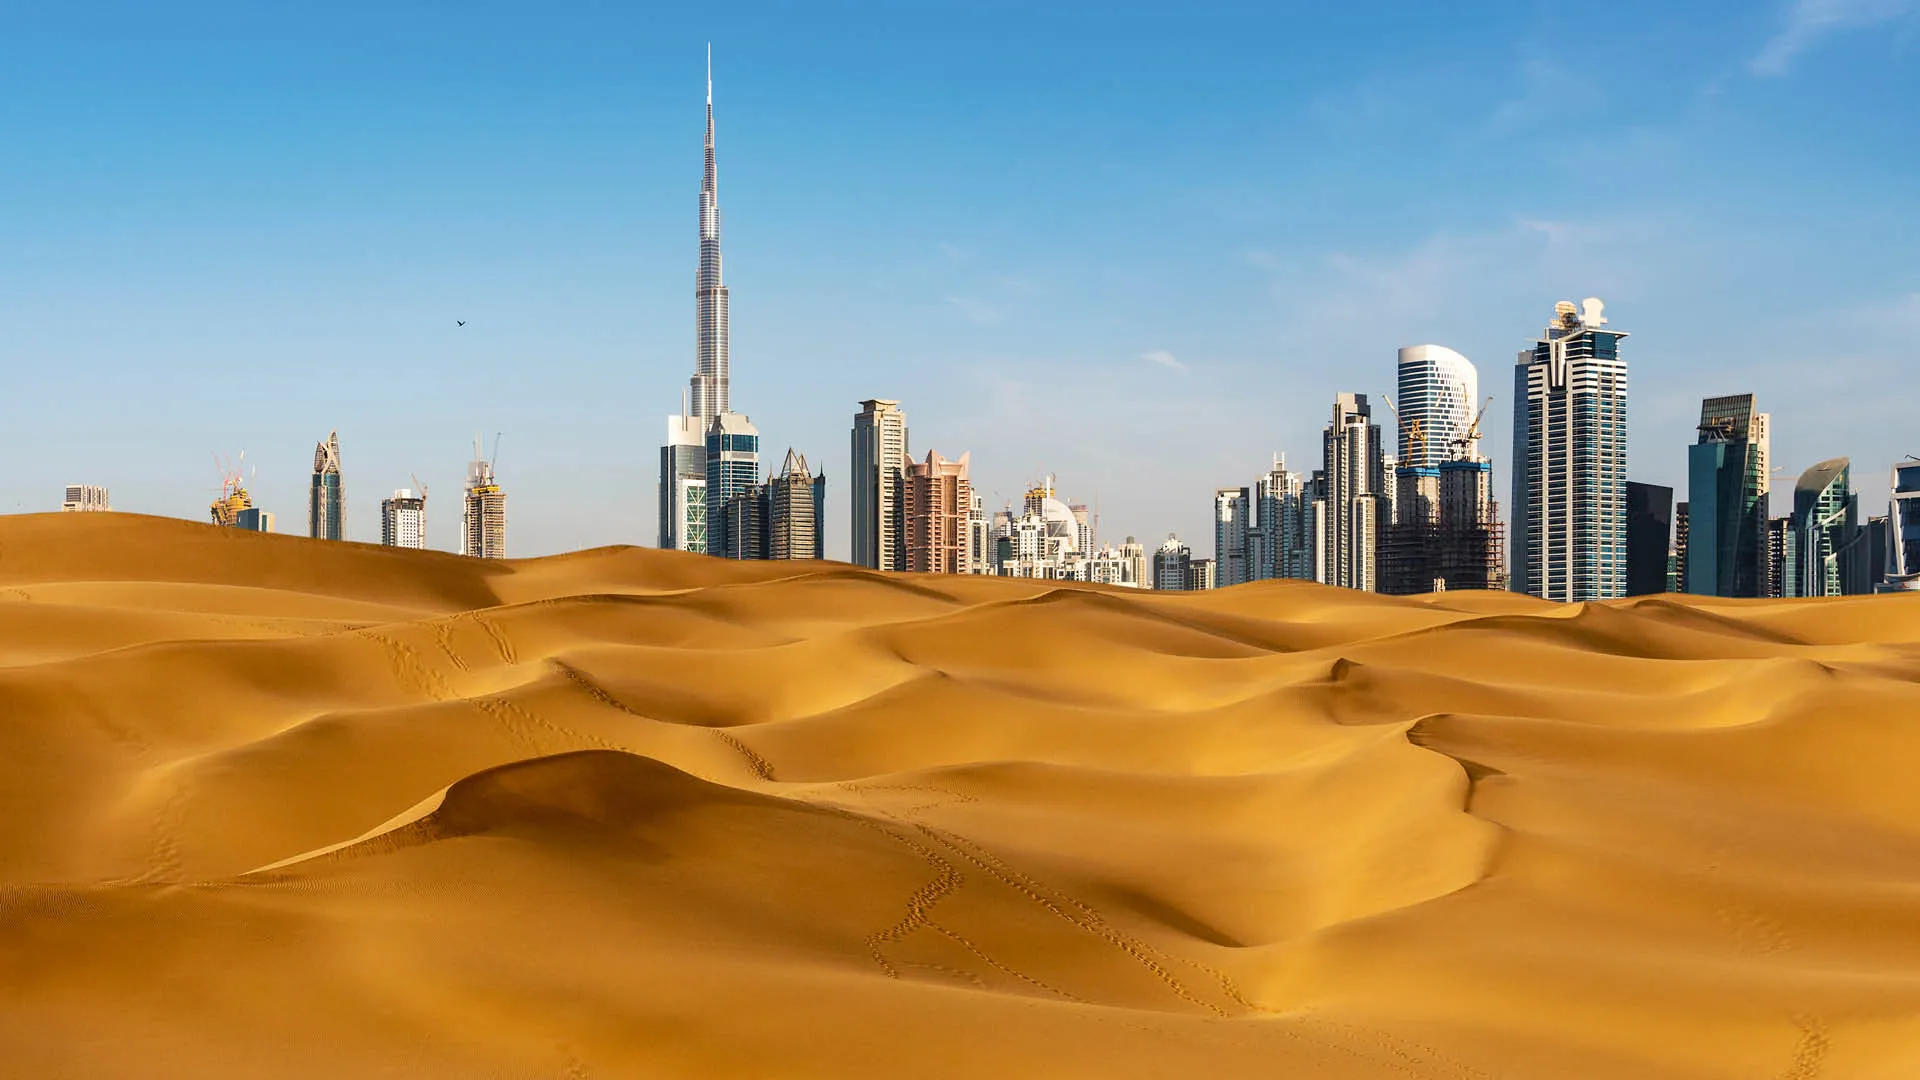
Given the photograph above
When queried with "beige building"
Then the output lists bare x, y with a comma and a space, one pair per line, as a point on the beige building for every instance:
880, 460
938, 517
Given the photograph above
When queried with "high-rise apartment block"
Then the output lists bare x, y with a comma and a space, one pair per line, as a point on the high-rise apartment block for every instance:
1727, 488
979, 536
483, 513
403, 519
1280, 530
326, 501
84, 498
1232, 526
880, 460
1173, 566
1351, 506
1570, 460
938, 516
1125, 565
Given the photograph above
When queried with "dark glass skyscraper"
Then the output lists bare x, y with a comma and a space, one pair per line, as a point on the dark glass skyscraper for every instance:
1727, 500
1649, 537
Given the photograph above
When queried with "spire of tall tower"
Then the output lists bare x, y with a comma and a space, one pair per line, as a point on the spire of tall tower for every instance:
709, 382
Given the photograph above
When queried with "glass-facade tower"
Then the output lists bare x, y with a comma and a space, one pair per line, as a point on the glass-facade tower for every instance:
1570, 460
326, 501
1727, 500
733, 468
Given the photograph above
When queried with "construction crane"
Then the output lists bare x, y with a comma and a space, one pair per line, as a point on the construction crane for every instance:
1472, 434
420, 487
1415, 432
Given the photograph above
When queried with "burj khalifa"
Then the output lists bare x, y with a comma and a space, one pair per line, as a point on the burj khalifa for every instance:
709, 383
711, 452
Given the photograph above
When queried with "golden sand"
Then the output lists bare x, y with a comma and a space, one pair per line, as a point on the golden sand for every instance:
277, 808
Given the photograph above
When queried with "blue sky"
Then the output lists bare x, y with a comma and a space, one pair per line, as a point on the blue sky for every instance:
1139, 247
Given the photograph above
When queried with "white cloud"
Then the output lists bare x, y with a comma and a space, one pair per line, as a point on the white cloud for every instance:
975, 311
1807, 21
1165, 359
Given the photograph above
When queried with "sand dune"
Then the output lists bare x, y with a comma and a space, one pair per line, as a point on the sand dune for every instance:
273, 807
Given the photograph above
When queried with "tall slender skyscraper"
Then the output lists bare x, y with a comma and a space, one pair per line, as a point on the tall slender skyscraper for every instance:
326, 501
1231, 527
880, 460
1727, 487
709, 383
1570, 460
1352, 501
689, 513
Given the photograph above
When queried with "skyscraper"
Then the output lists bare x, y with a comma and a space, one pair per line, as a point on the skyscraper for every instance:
708, 386
1727, 500
483, 514
979, 537
1231, 520
1903, 518
85, 498
880, 458
938, 516
1439, 391
795, 506
1649, 537
1280, 533
1828, 548
326, 502
1570, 460
689, 512
733, 468
1173, 566
683, 485
403, 519
1349, 510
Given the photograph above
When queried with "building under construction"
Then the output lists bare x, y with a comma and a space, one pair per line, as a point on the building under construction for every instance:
1446, 532
483, 517
234, 508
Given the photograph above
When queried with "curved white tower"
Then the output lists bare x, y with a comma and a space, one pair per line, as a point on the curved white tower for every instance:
709, 383
1439, 390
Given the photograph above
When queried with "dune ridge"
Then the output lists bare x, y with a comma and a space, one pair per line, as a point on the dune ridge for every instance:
271, 806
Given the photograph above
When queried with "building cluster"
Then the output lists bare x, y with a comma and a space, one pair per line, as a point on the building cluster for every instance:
403, 516
1403, 509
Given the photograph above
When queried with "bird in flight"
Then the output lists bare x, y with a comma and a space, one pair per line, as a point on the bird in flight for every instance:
459, 322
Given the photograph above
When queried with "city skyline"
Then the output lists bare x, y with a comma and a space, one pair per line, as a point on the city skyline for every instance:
1090, 395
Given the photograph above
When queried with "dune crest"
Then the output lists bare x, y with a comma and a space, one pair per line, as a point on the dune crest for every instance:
271, 806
